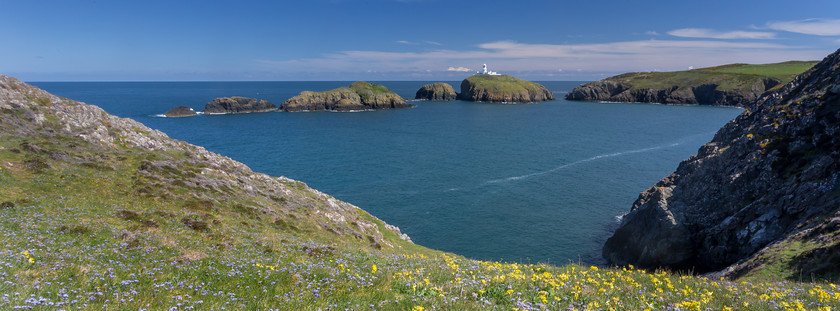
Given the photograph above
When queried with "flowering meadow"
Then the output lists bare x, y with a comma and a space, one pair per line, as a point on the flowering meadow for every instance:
87, 228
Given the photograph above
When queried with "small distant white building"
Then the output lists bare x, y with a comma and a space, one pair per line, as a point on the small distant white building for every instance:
484, 71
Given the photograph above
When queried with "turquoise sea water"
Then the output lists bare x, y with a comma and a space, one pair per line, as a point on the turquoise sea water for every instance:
532, 182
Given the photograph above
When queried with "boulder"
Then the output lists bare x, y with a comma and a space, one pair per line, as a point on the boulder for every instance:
180, 111
436, 92
502, 89
236, 104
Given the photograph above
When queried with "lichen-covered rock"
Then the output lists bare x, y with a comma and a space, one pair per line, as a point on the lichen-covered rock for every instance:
180, 111
772, 172
358, 96
502, 89
436, 92
236, 104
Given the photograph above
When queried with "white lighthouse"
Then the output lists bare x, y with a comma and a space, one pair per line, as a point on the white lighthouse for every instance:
484, 71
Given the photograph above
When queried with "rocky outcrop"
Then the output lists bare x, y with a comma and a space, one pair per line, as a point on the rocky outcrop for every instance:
729, 85
436, 92
358, 96
180, 111
236, 104
769, 174
502, 89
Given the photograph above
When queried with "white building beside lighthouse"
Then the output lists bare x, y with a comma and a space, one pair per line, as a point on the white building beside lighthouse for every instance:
484, 71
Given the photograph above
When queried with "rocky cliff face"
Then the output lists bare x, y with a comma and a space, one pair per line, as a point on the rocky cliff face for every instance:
436, 92
703, 94
502, 89
60, 134
358, 96
769, 175
236, 104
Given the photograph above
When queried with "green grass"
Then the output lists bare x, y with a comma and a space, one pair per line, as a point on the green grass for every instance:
727, 77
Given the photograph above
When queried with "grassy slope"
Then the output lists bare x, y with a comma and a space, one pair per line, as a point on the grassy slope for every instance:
81, 228
727, 77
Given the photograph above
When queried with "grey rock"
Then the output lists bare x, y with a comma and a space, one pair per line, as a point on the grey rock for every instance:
765, 176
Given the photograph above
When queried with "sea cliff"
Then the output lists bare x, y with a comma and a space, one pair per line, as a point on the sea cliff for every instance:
768, 183
729, 85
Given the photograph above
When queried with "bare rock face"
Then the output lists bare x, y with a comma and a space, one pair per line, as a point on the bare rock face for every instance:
436, 92
180, 111
502, 89
358, 96
236, 104
772, 172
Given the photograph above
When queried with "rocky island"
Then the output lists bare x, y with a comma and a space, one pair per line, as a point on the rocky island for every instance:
236, 104
439, 91
360, 95
180, 111
502, 89
762, 198
729, 85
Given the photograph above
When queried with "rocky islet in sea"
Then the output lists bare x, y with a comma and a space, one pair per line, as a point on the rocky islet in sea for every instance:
360, 95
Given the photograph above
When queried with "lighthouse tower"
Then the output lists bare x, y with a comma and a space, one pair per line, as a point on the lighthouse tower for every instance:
484, 71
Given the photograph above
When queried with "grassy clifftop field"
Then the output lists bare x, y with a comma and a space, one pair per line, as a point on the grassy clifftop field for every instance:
98, 212
727, 85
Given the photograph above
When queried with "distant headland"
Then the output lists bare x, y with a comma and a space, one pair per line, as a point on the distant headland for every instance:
727, 85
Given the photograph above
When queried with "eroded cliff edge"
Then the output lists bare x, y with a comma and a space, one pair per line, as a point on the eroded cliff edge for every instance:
767, 177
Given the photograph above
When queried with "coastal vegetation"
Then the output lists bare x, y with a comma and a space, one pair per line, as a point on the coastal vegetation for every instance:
107, 213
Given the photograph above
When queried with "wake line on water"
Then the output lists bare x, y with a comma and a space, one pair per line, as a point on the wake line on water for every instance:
597, 157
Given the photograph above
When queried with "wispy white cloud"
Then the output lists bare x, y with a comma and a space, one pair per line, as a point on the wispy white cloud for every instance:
651, 33
712, 34
812, 26
459, 69
642, 55
414, 43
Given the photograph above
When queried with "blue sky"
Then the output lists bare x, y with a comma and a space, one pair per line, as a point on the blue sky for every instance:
400, 40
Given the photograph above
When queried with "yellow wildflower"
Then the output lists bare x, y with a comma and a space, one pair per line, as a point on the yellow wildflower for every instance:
373, 269
417, 308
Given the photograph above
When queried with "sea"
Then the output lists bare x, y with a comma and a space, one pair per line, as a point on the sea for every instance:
531, 183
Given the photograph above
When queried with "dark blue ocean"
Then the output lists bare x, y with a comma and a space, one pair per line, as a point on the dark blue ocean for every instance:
531, 182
